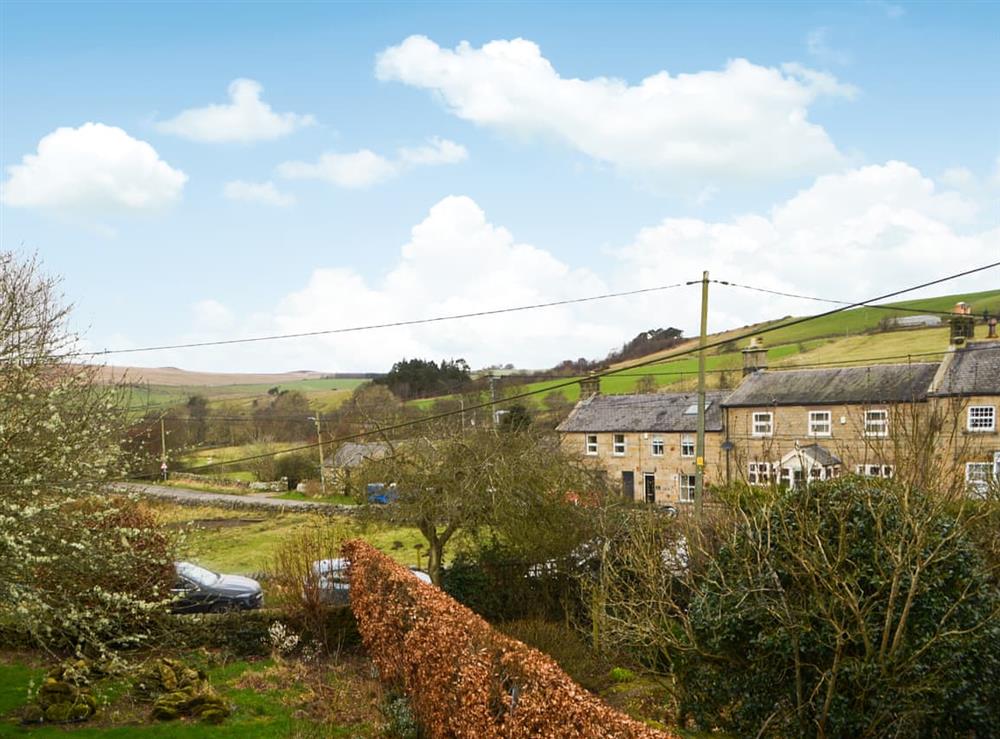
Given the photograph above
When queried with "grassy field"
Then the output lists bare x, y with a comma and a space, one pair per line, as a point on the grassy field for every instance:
323, 394
851, 336
248, 544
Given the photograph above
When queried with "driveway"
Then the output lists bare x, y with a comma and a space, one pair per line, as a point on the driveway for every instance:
186, 495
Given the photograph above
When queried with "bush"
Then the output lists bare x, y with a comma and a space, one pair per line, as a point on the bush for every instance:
495, 583
463, 678
849, 608
296, 467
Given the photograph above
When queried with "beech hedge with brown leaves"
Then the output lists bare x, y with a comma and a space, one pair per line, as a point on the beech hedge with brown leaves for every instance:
463, 678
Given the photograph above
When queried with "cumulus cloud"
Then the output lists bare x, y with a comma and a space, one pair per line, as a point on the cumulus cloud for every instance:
92, 168
244, 118
365, 168
848, 236
742, 121
256, 192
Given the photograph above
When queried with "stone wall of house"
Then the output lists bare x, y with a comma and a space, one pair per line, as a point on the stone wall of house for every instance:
846, 439
667, 469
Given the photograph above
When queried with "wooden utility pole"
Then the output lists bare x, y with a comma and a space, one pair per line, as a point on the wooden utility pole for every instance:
699, 478
163, 449
319, 440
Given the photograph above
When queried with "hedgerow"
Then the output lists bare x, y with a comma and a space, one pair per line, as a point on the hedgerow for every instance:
463, 678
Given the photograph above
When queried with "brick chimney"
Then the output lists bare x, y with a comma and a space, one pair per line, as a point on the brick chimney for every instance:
754, 356
962, 324
590, 385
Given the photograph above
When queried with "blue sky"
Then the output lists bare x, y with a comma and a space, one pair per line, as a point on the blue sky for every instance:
487, 155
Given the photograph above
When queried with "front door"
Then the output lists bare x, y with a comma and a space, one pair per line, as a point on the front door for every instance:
628, 485
649, 486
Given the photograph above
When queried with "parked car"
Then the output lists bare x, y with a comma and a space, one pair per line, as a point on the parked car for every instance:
334, 587
198, 590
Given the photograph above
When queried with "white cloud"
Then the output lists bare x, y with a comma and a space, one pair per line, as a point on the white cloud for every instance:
365, 168
818, 45
256, 192
848, 236
436, 151
244, 118
742, 121
92, 168
210, 314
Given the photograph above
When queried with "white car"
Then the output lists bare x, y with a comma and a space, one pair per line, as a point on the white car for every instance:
333, 584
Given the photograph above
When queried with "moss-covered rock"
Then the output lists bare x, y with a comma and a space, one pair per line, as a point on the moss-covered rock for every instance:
32, 714
177, 690
58, 713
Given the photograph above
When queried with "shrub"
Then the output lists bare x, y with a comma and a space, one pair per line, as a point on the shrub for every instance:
463, 678
296, 467
849, 608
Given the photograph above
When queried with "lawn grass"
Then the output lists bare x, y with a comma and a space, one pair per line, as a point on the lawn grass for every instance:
248, 549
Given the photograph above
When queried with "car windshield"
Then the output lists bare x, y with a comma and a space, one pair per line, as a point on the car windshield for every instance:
196, 574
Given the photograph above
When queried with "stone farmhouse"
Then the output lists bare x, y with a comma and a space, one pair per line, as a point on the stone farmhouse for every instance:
791, 427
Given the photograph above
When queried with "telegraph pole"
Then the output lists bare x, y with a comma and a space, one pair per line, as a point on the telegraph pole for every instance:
163, 449
493, 399
699, 479
319, 440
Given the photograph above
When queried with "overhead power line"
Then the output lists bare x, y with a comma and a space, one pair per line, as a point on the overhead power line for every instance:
901, 308
607, 373
374, 326
574, 381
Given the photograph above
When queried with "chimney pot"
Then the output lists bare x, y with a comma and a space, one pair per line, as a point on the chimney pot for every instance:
754, 356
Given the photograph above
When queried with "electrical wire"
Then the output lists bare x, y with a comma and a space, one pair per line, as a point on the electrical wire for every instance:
597, 375
922, 311
374, 326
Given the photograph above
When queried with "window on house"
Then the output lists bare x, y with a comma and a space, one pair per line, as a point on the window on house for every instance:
982, 418
977, 477
763, 424
592, 444
687, 445
819, 423
618, 447
687, 488
657, 446
875, 470
759, 473
877, 423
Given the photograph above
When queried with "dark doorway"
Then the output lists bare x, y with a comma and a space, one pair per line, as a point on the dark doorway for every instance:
628, 485
649, 486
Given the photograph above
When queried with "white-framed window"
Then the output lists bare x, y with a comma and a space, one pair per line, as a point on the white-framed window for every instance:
763, 424
592, 444
977, 477
657, 446
618, 445
687, 445
687, 485
759, 473
982, 418
877, 422
875, 470
820, 423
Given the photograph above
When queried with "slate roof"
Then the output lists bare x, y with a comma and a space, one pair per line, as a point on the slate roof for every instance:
972, 370
880, 383
352, 454
653, 412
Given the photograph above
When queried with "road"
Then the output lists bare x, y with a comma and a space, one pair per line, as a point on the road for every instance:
198, 496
